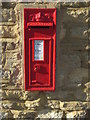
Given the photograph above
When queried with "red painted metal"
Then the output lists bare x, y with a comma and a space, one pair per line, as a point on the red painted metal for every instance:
39, 48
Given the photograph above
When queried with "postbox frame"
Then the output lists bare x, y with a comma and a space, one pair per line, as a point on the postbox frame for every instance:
43, 88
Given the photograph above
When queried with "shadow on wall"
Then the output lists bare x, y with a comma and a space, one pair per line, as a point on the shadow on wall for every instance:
88, 114
71, 56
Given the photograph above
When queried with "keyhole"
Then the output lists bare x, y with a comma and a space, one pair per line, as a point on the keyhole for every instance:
35, 67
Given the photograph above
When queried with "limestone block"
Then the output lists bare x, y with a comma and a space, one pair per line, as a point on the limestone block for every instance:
12, 62
12, 56
4, 81
16, 113
16, 30
2, 95
14, 75
30, 95
8, 15
76, 114
87, 91
74, 4
9, 4
8, 105
5, 74
73, 106
6, 114
88, 98
13, 105
75, 15
32, 104
87, 85
14, 94
46, 113
10, 46
7, 32
54, 104
52, 4
26, 115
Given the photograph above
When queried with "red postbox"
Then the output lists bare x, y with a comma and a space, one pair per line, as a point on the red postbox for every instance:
39, 48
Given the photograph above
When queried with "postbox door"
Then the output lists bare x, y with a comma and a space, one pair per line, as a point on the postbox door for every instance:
40, 72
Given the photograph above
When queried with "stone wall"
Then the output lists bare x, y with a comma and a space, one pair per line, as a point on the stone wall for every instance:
71, 98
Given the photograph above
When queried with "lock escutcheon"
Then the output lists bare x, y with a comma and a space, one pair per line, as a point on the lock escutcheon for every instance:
36, 68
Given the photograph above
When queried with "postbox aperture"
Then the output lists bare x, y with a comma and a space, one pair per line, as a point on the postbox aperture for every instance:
39, 48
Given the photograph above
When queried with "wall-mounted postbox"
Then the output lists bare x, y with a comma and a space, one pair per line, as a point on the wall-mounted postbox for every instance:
39, 48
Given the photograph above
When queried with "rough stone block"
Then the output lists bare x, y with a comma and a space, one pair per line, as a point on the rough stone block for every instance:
73, 106
32, 104
75, 15
74, 4
26, 115
31, 95
5, 74
2, 95
54, 104
13, 105
12, 61
7, 32
6, 114
8, 4
10, 46
8, 15
23, 114
76, 114
14, 95
50, 114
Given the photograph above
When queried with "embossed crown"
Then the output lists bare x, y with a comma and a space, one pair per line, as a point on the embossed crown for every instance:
46, 17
